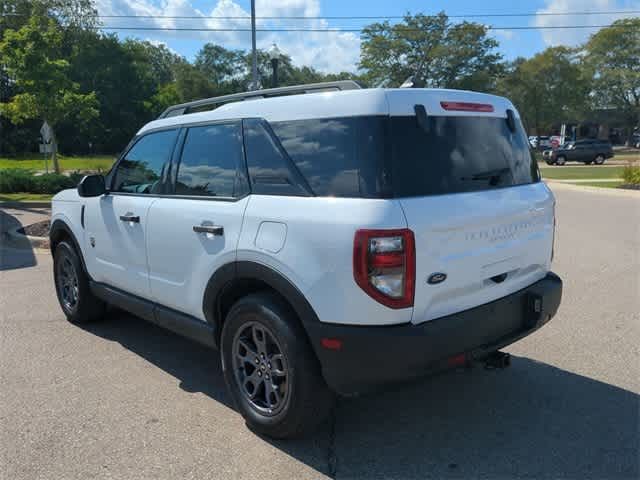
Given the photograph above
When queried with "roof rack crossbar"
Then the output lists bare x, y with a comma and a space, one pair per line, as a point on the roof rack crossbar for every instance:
185, 108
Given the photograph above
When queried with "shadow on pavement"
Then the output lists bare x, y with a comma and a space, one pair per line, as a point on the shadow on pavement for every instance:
531, 420
14, 254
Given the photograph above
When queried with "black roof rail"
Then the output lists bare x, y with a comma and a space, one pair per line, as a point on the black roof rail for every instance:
185, 108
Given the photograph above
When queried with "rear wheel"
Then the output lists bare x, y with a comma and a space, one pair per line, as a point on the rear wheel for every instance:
561, 160
270, 368
599, 160
72, 286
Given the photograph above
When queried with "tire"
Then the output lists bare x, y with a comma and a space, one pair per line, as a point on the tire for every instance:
260, 324
549, 162
72, 287
599, 160
561, 160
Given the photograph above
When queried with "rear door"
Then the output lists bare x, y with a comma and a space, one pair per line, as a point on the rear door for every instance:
117, 223
194, 230
472, 195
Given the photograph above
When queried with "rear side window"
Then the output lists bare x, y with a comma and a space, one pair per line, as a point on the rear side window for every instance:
210, 162
458, 154
142, 168
271, 172
339, 157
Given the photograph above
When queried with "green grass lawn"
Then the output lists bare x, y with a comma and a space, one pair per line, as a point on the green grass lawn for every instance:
24, 197
36, 162
581, 172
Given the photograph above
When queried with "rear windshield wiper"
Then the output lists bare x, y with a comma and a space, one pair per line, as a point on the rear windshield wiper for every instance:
492, 175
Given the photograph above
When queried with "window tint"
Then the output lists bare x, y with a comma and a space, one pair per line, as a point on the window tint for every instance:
458, 154
142, 168
339, 157
270, 171
209, 163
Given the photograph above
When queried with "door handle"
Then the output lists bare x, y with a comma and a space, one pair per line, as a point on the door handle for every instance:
129, 217
212, 229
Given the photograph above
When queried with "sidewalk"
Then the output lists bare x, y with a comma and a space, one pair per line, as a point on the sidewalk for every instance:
584, 180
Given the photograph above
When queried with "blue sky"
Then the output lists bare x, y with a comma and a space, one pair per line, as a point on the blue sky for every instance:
337, 51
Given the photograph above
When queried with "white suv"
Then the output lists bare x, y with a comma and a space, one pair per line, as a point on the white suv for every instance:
324, 238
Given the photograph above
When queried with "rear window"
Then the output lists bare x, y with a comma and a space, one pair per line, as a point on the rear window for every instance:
383, 157
458, 154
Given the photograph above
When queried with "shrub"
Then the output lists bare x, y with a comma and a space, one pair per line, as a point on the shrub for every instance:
18, 181
14, 180
631, 174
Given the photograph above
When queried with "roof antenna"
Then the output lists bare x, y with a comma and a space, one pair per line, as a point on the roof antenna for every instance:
413, 81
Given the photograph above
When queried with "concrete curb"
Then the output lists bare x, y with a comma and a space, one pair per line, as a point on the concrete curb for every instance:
600, 190
25, 204
36, 242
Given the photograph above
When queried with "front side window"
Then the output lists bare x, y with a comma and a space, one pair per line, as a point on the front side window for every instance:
142, 168
210, 162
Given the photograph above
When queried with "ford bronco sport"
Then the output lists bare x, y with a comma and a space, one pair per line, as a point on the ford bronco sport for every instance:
323, 238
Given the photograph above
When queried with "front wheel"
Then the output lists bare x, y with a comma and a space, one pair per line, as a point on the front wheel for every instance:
72, 286
561, 160
271, 370
599, 160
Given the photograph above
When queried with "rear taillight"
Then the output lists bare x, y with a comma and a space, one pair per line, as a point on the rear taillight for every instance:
384, 265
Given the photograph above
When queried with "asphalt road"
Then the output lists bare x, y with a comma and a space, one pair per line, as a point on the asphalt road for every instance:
125, 400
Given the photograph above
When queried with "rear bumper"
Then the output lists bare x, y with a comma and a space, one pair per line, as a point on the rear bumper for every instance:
370, 357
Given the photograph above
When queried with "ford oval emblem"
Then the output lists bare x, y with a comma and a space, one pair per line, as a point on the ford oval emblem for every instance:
436, 278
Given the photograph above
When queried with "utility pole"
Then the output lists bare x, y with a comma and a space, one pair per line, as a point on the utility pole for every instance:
254, 54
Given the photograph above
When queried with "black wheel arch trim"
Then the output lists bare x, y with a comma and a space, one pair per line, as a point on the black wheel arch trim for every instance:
248, 270
61, 226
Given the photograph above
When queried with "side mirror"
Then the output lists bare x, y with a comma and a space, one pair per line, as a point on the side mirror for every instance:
92, 186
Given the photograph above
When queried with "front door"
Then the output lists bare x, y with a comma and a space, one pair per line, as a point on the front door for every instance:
116, 223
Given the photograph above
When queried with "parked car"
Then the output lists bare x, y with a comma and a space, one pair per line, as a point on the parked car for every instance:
324, 243
544, 142
585, 151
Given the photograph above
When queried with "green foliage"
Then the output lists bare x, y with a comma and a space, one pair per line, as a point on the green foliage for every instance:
218, 64
547, 89
631, 174
613, 61
437, 52
34, 58
17, 181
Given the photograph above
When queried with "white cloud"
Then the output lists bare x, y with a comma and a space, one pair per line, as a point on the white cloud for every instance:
575, 36
326, 51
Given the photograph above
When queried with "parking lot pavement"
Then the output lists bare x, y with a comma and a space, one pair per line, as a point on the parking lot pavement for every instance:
18, 254
124, 399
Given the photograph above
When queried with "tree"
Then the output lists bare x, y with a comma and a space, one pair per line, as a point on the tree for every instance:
547, 89
34, 61
219, 64
435, 51
612, 58
75, 14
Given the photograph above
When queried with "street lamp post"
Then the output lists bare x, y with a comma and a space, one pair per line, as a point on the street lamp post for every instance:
274, 56
254, 54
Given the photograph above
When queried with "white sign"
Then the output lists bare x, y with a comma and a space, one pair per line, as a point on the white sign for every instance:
47, 132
